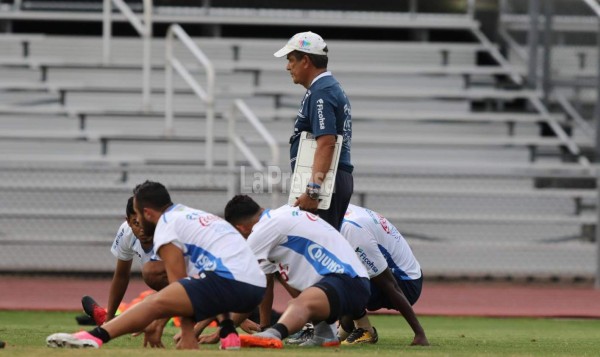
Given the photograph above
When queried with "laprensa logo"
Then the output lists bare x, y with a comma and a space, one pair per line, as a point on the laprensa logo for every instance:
317, 254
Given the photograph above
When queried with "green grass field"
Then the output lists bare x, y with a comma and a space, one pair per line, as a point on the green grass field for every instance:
25, 334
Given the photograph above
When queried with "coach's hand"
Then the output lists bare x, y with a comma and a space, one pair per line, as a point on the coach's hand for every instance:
306, 203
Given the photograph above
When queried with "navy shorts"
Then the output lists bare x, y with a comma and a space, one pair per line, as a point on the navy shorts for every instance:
347, 296
410, 288
212, 295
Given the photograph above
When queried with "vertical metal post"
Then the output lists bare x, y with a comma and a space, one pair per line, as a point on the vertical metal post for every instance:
597, 159
210, 116
547, 60
169, 82
533, 41
470, 10
231, 190
147, 53
106, 30
412, 8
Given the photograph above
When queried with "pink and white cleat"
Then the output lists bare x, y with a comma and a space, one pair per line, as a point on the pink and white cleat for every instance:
81, 339
231, 342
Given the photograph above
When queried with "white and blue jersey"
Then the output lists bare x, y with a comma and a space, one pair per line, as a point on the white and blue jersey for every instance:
208, 243
126, 246
325, 110
378, 244
303, 247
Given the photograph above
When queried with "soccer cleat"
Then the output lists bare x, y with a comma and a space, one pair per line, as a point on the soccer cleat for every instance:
301, 336
321, 342
231, 342
360, 335
258, 340
81, 339
93, 310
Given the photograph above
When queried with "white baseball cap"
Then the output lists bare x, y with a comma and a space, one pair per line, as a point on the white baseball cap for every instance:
308, 42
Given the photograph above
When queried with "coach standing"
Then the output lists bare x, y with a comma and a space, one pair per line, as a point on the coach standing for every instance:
324, 112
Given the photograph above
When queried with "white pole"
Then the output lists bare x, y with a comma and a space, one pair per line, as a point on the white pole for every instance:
147, 53
169, 82
210, 115
106, 31
231, 152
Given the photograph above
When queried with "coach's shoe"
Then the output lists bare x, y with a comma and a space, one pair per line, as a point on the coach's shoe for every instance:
93, 310
231, 342
321, 342
301, 336
359, 335
262, 339
81, 339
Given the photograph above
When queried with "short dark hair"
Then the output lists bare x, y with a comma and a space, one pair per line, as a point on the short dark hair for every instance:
152, 195
129, 210
240, 208
319, 61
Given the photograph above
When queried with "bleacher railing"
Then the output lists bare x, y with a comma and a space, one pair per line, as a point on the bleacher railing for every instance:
236, 142
206, 95
144, 29
535, 71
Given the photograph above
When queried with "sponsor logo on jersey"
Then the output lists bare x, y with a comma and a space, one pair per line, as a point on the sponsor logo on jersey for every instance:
366, 261
320, 114
384, 224
311, 216
320, 256
205, 263
119, 237
205, 221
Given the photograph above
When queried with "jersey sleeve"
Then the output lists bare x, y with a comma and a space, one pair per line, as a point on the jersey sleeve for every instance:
322, 113
366, 248
166, 233
264, 237
121, 247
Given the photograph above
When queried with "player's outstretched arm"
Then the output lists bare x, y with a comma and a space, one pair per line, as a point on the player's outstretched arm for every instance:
118, 287
266, 306
386, 282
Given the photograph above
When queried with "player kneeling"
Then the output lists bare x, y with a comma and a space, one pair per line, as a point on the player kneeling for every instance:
191, 243
395, 273
318, 262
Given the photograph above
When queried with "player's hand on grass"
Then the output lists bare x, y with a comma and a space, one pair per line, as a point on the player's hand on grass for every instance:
209, 339
420, 340
153, 334
250, 326
186, 341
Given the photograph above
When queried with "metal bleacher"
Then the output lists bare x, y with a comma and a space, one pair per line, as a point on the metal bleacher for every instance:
442, 145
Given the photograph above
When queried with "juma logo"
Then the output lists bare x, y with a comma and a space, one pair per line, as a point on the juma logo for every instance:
317, 253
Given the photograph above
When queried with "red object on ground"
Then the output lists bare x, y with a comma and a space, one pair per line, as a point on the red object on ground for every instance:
450, 299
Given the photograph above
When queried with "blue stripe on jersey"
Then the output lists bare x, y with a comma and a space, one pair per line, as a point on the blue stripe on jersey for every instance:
267, 211
164, 215
205, 261
392, 264
320, 258
351, 222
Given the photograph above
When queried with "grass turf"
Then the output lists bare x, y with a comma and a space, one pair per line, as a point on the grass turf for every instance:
25, 333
